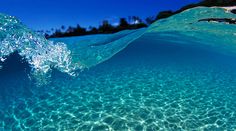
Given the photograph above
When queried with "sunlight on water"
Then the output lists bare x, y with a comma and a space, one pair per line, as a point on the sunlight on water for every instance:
160, 78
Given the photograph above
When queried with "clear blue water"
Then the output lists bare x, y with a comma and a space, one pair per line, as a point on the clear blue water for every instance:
160, 78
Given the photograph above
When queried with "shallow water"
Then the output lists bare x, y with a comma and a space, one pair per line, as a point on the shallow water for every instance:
148, 86
177, 74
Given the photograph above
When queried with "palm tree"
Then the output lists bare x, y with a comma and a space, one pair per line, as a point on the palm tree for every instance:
63, 28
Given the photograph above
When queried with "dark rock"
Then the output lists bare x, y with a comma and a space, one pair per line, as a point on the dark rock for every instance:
233, 11
220, 20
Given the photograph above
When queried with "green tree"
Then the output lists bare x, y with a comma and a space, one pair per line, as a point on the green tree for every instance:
106, 27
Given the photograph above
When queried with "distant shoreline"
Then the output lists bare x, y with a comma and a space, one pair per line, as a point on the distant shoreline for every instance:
136, 22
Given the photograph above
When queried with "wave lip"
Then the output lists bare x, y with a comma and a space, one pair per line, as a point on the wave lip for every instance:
92, 50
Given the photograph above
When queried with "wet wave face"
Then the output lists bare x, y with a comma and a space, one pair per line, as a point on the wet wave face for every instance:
177, 74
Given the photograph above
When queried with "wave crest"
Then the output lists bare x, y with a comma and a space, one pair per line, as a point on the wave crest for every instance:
41, 54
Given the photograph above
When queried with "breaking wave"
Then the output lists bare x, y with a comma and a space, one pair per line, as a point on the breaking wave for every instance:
210, 27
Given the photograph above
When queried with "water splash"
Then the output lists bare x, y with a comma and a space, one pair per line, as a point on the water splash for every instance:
41, 54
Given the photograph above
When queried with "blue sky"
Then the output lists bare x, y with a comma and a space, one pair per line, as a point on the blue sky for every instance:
45, 14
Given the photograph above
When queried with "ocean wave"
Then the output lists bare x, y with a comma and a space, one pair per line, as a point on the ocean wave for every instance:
197, 25
78, 53
92, 50
40, 53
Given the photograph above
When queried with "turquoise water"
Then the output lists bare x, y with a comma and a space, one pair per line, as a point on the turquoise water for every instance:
160, 78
